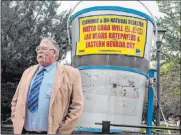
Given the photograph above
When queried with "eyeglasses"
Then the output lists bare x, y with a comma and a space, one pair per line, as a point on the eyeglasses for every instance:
43, 49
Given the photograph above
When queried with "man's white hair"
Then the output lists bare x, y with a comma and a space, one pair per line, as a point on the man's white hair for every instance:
55, 45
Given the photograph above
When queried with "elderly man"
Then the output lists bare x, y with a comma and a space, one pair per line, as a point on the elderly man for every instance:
49, 97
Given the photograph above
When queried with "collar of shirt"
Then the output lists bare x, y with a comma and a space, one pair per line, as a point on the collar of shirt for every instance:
48, 68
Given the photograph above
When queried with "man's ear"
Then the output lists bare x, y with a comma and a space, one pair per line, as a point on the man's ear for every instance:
55, 54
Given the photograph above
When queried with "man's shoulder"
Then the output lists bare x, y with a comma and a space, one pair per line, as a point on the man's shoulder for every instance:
30, 68
70, 69
71, 72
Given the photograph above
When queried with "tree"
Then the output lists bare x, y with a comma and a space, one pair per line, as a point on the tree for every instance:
170, 69
171, 22
23, 24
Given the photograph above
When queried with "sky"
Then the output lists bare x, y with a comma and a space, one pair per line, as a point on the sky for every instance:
151, 5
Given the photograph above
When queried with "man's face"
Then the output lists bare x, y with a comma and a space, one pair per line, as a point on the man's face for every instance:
46, 53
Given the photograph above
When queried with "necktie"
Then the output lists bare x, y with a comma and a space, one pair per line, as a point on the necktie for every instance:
34, 93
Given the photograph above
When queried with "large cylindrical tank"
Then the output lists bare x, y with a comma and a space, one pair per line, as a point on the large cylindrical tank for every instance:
111, 43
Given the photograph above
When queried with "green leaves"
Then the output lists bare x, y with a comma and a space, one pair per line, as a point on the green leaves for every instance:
171, 22
23, 25
170, 69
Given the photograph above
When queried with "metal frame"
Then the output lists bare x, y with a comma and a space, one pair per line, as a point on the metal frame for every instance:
150, 103
106, 127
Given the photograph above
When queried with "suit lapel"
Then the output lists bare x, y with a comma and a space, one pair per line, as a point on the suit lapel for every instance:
59, 75
28, 79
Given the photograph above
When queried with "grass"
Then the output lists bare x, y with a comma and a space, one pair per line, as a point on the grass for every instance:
162, 130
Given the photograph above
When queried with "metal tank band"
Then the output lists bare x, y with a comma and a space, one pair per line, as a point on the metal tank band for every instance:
93, 130
116, 8
114, 68
113, 60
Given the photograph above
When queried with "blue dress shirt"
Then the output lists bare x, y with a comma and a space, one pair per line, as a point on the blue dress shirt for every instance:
38, 121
